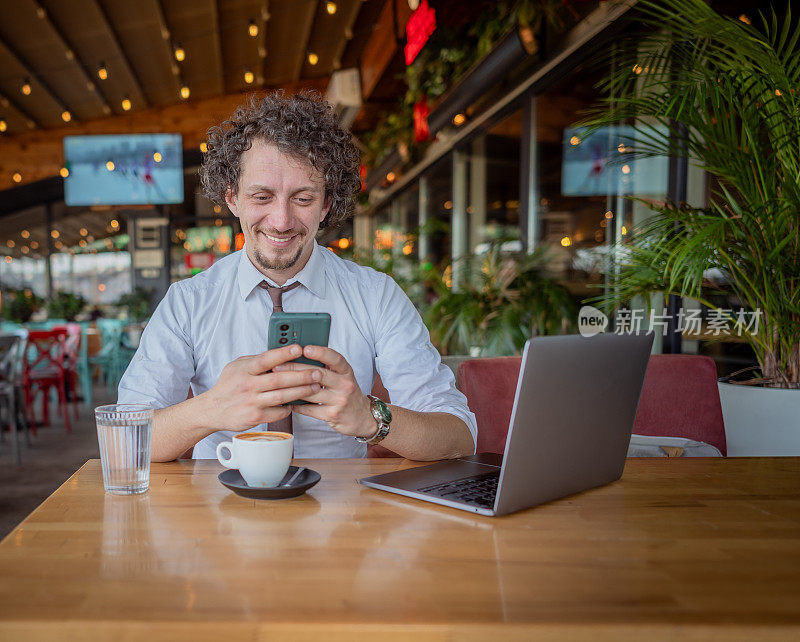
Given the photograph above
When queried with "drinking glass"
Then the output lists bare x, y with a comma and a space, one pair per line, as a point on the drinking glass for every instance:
124, 432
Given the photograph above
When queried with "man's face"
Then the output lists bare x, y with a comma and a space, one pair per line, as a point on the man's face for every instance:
280, 204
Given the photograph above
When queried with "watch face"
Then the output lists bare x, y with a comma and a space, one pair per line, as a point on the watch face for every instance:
383, 411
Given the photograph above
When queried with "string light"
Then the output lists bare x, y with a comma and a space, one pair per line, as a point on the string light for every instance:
3, 125
34, 245
25, 234
574, 141
330, 7
63, 172
110, 166
204, 147
157, 157
114, 223
313, 58
66, 116
102, 72
459, 119
609, 214
55, 234
180, 54
566, 241
10, 243
58, 245
26, 87
185, 91
83, 231
16, 177
24, 249
126, 104
248, 76
252, 29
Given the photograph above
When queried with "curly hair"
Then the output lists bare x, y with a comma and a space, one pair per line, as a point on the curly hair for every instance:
304, 126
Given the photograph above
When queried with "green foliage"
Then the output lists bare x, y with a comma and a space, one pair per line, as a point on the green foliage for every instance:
444, 60
20, 305
726, 92
136, 303
506, 299
65, 305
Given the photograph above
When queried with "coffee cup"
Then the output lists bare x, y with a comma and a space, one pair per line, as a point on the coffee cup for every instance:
261, 457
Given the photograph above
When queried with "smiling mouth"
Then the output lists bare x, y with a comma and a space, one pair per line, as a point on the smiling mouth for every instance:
278, 240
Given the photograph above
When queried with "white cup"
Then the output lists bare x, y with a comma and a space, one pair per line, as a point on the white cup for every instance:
261, 457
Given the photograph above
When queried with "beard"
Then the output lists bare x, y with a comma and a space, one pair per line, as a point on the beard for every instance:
278, 263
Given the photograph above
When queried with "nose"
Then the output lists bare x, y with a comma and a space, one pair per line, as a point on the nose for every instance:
280, 218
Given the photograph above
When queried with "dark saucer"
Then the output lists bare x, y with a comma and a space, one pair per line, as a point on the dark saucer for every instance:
233, 480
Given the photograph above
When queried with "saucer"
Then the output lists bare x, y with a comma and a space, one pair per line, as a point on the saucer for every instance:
232, 479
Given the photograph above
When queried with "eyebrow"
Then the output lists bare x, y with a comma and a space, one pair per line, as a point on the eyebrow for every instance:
265, 188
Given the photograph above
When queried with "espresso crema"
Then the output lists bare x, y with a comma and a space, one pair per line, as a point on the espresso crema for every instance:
263, 436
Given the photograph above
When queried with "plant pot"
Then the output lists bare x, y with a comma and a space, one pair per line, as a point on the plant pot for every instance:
760, 422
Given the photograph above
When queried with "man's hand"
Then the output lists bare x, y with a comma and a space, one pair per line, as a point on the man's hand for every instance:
340, 403
248, 394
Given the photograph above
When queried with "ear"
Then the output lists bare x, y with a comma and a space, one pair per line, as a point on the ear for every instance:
230, 199
326, 208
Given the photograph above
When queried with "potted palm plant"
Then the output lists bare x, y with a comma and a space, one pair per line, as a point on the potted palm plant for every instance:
728, 92
506, 299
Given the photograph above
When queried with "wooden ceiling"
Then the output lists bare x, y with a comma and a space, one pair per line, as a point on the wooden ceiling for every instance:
57, 47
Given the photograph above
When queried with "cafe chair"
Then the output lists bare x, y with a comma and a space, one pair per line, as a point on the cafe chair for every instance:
45, 368
12, 350
679, 398
490, 384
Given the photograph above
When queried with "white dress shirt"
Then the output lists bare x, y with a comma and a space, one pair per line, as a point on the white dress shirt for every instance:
205, 322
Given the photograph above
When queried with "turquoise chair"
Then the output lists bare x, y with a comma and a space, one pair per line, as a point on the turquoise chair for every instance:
110, 358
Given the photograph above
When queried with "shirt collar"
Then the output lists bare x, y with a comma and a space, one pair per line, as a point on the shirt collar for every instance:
312, 276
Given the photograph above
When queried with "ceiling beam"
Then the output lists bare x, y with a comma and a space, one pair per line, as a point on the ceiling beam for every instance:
142, 97
262, 44
305, 36
7, 103
166, 38
69, 51
11, 53
39, 154
217, 44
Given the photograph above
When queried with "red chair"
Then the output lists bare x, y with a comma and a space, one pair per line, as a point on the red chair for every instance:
490, 384
72, 346
679, 398
46, 366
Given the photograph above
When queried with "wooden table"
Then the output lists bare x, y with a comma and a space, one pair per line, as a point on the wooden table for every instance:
693, 549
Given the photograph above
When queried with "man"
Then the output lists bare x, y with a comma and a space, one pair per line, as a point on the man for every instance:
285, 168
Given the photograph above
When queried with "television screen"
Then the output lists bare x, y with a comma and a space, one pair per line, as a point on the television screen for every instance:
602, 163
124, 169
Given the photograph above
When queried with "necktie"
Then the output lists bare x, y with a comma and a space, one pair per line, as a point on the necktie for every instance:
276, 294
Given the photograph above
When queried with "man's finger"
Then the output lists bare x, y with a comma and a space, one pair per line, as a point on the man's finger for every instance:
266, 361
329, 357
286, 379
286, 395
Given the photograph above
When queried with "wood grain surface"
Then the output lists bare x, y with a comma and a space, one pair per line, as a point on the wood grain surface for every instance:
691, 549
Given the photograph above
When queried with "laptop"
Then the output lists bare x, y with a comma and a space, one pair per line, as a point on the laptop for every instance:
570, 426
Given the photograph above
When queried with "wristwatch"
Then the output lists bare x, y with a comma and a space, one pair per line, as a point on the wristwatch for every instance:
383, 416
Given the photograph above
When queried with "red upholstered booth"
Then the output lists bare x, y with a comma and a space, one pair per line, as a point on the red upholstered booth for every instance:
680, 398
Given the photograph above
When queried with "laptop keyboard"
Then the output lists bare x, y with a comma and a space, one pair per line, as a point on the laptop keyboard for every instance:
478, 491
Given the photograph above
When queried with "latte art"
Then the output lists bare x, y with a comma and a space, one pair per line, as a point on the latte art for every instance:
263, 436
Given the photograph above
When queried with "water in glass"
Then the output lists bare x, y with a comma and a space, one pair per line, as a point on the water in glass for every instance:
124, 433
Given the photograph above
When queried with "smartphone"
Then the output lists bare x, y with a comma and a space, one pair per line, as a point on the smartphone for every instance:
302, 328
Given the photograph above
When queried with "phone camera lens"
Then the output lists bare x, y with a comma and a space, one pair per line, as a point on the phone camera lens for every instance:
284, 327
282, 340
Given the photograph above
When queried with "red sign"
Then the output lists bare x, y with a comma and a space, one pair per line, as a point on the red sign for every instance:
199, 260
419, 28
421, 113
